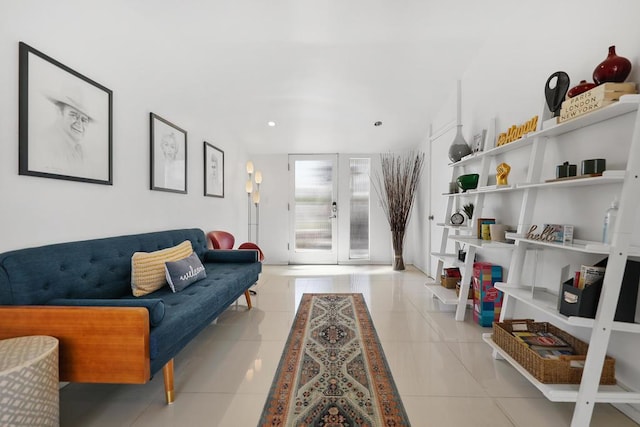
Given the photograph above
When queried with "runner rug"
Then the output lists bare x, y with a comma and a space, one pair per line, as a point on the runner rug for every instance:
333, 372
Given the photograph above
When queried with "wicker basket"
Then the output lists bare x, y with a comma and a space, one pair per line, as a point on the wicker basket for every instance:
549, 371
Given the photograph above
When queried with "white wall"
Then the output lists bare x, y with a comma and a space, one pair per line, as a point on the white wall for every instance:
506, 80
36, 211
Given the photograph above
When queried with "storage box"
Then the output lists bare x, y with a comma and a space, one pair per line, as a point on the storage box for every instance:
449, 282
584, 302
487, 300
564, 370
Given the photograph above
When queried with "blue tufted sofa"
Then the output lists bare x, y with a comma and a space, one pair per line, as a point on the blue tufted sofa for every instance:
80, 292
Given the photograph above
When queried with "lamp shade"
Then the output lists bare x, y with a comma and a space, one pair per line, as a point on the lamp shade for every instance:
256, 197
258, 177
249, 166
248, 187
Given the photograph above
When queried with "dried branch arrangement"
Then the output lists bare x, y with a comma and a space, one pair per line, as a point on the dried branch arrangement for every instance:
396, 186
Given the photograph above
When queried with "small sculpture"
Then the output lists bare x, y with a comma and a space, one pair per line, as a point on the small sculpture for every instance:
555, 95
502, 170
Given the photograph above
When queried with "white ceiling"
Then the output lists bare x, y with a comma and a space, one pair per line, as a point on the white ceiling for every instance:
323, 70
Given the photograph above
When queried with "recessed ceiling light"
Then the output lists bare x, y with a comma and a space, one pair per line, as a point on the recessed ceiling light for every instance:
271, 123
378, 123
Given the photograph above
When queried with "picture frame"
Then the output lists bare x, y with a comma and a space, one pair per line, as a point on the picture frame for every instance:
168, 156
479, 141
213, 170
481, 222
65, 121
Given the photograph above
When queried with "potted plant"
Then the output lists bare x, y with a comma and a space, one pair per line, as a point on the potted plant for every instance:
396, 185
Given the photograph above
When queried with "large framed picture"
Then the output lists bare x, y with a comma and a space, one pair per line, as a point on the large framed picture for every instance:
65, 123
213, 171
168, 156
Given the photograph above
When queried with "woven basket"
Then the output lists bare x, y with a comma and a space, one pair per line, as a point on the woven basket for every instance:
549, 371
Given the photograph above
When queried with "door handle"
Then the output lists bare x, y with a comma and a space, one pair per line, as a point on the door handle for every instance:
334, 210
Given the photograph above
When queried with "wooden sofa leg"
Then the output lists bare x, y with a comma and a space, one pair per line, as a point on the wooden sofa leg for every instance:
167, 372
247, 295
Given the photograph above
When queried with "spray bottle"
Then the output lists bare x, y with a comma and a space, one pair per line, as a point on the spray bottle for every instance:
610, 222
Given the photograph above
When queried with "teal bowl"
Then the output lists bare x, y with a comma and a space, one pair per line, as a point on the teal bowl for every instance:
468, 181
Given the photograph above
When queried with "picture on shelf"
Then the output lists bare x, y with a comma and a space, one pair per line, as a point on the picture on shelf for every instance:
478, 141
483, 232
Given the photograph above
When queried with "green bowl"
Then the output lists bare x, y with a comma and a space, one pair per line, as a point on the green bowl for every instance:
468, 181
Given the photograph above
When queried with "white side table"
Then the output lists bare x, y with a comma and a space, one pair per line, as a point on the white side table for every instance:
29, 393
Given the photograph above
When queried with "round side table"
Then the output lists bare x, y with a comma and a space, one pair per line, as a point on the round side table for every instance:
29, 393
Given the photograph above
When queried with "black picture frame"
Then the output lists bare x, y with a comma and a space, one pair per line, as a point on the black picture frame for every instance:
65, 121
213, 171
168, 156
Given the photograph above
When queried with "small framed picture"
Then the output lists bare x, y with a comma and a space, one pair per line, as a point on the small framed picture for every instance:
478, 141
168, 156
65, 124
213, 171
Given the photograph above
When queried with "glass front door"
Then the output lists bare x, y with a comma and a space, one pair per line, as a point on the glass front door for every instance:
313, 209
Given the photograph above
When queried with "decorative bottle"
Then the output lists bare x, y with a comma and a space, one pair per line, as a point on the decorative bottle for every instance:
614, 69
610, 222
459, 147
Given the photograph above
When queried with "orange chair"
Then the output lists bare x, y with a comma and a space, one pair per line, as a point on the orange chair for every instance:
221, 239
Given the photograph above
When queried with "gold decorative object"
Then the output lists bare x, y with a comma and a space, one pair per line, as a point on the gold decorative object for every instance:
503, 170
517, 132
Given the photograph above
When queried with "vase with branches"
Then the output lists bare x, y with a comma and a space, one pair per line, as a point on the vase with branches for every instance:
396, 185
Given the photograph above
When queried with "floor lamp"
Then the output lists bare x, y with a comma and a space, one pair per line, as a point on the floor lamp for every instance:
253, 196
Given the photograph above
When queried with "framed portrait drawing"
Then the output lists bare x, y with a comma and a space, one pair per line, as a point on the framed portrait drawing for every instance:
213, 171
168, 156
65, 123
478, 141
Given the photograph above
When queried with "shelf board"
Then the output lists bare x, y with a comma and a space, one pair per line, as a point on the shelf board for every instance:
547, 303
448, 258
566, 392
463, 227
480, 243
627, 104
585, 246
608, 177
446, 296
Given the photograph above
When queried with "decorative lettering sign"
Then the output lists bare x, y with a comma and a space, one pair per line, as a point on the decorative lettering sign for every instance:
516, 132
547, 235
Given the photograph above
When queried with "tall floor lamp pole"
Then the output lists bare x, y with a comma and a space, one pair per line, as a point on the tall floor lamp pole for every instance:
249, 189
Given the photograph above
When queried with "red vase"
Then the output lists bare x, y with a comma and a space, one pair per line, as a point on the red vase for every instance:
580, 88
613, 69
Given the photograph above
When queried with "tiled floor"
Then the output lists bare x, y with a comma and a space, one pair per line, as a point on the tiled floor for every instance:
445, 374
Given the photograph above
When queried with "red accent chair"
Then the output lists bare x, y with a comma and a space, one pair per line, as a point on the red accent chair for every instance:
221, 239
253, 246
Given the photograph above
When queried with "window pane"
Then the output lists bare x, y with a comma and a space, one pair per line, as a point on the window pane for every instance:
313, 196
359, 217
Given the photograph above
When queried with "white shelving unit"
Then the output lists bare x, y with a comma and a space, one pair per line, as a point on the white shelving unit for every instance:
465, 235
543, 299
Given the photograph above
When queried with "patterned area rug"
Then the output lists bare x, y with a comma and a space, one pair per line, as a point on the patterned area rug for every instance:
333, 372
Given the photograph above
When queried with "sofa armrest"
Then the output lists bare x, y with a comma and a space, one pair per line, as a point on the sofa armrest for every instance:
230, 255
97, 344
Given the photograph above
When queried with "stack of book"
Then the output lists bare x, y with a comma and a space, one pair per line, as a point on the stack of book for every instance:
546, 344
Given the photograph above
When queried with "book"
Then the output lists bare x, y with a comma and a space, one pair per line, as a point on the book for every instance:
589, 275
541, 340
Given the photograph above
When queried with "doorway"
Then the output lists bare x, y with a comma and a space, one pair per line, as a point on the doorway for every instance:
329, 209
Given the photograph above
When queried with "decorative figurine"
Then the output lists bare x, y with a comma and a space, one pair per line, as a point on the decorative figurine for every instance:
555, 95
503, 170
